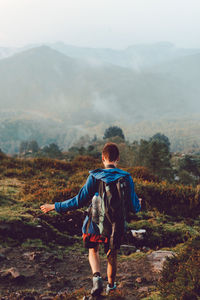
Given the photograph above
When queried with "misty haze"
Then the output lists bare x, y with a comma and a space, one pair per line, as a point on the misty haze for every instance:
57, 92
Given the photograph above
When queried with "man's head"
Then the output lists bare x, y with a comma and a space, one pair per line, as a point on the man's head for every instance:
110, 153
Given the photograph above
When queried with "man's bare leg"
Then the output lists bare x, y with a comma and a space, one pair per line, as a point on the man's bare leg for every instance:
94, 259
95, 266
112, 267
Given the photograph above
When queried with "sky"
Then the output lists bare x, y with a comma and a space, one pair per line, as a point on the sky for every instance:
100, 23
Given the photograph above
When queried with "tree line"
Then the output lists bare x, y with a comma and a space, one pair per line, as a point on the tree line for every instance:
154, 154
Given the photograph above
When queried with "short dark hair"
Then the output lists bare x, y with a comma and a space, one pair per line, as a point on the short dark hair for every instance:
110, 151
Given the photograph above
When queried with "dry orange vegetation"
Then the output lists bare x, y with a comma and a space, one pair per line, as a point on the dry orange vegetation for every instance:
169, 213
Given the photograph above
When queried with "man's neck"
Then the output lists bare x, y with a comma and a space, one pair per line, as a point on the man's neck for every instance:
110, 164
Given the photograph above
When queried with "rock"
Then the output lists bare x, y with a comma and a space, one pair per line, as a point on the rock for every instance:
138, 234
138, 280
14, 274
11, 273
157, 259
127, 249
30, 255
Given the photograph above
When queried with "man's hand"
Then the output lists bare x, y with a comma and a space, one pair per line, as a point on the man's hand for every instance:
140, 201
47, 207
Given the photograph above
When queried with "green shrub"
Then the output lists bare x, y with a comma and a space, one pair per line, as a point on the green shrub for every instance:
181, 275
168, 198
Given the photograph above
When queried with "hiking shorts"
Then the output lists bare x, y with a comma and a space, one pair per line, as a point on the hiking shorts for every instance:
92, 241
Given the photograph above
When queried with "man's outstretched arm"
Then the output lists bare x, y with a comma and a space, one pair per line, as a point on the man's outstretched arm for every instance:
85, 194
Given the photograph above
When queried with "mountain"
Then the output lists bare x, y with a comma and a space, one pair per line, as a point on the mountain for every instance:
81, 94
7, 51
136, 57
43, 79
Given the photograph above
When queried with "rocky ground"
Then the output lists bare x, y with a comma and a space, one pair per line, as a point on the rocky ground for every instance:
29, 274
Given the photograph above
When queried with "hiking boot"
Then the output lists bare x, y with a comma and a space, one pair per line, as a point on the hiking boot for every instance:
97, 286
109, 289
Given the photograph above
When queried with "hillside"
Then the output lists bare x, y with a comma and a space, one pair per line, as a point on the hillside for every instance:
42, 255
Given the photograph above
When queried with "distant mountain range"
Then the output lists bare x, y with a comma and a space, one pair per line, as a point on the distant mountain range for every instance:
86, 88
135, 57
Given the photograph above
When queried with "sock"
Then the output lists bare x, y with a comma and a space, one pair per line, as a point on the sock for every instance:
96, 274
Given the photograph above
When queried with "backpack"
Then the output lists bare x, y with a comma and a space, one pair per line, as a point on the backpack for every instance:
113, 211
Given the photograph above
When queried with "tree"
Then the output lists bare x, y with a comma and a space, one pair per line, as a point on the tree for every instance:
52, 151
190, 165
23, 148
2, 155
33, 146
156, 157
189, 170
159, 137
113, 131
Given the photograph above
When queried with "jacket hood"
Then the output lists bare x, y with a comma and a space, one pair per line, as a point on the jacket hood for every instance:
109, 175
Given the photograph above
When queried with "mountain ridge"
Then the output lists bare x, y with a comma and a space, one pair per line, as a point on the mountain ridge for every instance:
75, 91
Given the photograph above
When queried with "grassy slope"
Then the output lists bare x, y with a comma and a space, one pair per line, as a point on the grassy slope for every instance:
25, 185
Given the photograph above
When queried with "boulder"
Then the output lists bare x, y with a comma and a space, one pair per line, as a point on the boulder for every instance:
127, 249
157, 259
11, 273
138, 234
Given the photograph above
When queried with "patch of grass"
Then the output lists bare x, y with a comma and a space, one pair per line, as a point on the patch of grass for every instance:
153, 296
9, 242
15, 212
132, 256
9, 191
165, 231
180, 275
34, 243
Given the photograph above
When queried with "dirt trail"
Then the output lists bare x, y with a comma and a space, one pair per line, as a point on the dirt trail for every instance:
32, 274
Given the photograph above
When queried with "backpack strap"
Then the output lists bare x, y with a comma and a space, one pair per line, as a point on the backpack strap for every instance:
89, 219
121, 185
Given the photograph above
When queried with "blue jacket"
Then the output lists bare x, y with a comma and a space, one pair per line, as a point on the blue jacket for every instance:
91, 187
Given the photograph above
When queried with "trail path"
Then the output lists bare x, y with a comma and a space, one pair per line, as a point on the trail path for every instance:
33, 274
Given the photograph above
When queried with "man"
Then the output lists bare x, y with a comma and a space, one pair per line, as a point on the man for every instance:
110, 159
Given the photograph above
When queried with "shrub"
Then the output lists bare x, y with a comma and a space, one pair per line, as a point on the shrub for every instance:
168, 198
180, 275
142, 173
85, 163
47, 163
